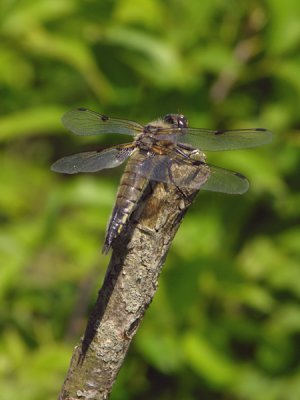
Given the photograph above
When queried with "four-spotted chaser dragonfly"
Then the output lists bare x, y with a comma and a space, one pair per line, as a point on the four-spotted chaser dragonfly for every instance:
165, 150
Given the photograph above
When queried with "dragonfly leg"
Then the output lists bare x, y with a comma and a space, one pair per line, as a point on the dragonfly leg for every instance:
173, 182
190, 154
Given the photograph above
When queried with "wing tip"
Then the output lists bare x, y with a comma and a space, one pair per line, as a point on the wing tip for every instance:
57, 167
67, 113
266, 132
268, 135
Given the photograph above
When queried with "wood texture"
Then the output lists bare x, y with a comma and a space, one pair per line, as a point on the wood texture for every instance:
129, 286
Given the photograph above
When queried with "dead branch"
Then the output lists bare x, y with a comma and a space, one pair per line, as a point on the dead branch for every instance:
129, 286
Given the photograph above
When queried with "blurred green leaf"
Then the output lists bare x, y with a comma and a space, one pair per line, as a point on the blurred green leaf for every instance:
285, 32
31, 122
25, 14
15, 71
142, 12
225, 320
207, 362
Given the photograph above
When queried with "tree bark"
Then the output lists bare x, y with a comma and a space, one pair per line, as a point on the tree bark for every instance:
129, 286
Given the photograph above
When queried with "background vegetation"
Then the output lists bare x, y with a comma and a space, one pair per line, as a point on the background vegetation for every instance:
225, 323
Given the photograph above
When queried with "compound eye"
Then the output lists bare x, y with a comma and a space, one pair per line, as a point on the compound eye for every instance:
176, 120
182, 122
169, 119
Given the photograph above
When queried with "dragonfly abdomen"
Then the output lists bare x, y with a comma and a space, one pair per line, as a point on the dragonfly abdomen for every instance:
130, 190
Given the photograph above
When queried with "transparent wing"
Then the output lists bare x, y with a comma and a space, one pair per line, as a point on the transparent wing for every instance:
183, 173
86, 122
225, 181
210, 140
176, 171
92, 161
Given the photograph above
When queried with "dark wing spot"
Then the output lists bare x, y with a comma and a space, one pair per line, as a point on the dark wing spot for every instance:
104, 118
260, 129
81, 109
240, 175
219, 132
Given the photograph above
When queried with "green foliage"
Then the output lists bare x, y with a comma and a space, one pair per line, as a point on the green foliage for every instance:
225, 321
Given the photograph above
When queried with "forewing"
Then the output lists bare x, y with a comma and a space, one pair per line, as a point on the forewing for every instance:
210, 140
87, 122
92, 161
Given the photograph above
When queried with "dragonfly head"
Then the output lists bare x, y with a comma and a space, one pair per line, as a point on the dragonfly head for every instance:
176, 120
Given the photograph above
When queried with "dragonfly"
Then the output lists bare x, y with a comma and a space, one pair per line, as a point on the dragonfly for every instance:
165, 150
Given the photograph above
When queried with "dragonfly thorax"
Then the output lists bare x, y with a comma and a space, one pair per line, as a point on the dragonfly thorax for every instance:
146, 143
